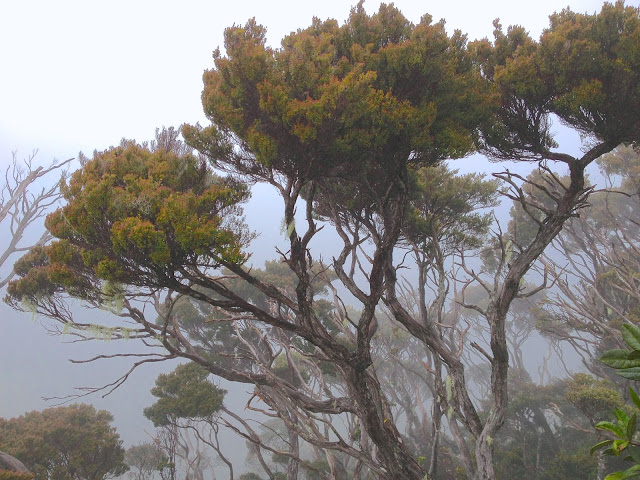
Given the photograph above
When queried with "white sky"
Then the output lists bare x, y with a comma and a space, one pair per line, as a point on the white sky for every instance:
79, 75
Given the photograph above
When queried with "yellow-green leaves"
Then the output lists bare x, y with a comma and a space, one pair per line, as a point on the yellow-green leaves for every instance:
133, 233
585, 70
135, 215
595, 64
353, 101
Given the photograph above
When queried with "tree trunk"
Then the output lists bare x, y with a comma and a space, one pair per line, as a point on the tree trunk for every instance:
463, 449
294, 448
602, 466
484, 457
398, 462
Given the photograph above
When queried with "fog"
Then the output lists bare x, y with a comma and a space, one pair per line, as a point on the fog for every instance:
82, 79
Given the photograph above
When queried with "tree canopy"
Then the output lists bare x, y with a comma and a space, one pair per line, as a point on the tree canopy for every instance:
76, 442
184, 393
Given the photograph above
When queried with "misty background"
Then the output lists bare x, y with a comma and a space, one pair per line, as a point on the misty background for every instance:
79, 76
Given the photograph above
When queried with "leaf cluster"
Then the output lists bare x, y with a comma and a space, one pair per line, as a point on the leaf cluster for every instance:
351, 102
626, 362
134, 216
446, 209
184, 393
594, 398
584, 69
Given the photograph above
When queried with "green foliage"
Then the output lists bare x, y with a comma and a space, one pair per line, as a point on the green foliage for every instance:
184, 393
572, 462
595, 398
545, 437
11, 475
317, 470
570, 466
585, 70
65, 442
578, 49
624, 429
144, 459
280, 458
134, 216
445, 209
626, 362
341, 102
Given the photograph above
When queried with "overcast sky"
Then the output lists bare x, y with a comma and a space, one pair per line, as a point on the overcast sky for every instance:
80, 75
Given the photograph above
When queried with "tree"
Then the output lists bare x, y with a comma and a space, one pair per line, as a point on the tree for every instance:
597, 270
23, 201
74, 442
144, 460
250, 476
559, 76
341, 121
185, 399
303, 131
545, 437
184, 393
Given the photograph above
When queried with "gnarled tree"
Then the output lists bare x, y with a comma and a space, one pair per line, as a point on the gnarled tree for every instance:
26, 196
336, 121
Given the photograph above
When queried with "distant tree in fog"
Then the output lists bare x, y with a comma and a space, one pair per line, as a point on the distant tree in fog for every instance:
75, 442
27, 193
